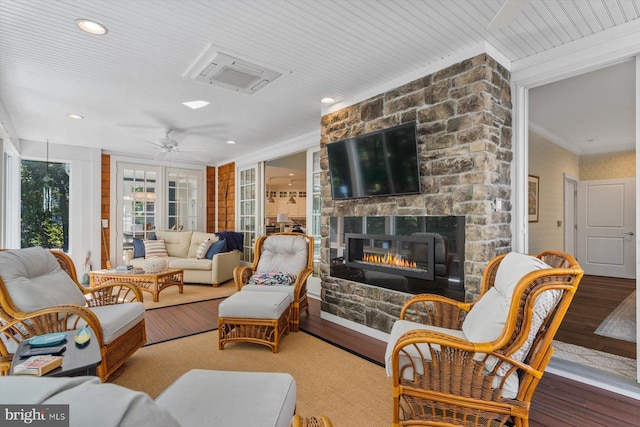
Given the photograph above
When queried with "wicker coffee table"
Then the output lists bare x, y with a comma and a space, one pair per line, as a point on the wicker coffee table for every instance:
153, 283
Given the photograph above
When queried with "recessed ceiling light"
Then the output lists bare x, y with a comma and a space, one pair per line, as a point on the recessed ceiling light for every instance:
291, 174
91, 27
75, 116
230, 142
194, 105
328, 100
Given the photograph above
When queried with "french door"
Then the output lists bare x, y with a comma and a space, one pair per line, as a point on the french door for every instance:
150, 198
250, 213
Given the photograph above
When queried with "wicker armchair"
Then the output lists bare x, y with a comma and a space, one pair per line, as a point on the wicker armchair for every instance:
286, 251
18, 324
442, 378
319, 421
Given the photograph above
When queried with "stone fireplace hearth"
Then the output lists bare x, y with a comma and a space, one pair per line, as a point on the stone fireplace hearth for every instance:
463, 122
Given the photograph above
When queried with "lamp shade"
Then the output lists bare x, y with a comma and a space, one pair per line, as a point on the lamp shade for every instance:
282, 217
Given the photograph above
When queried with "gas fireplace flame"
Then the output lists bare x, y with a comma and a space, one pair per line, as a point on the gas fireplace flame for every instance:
389, 259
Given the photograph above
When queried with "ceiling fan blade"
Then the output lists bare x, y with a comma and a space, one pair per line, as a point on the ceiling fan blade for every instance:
157, 144
507, 14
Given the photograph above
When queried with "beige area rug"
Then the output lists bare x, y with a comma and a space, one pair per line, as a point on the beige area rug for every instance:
350, 390
621, 323
190, 293
595, 359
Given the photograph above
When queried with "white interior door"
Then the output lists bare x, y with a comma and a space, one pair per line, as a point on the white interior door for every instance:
606, 227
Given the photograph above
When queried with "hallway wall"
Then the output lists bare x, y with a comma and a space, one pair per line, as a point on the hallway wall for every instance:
550, 162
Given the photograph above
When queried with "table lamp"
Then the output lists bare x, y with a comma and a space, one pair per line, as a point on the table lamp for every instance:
282, 219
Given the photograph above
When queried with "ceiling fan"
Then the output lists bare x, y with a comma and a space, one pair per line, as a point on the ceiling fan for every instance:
166, 144
507, 14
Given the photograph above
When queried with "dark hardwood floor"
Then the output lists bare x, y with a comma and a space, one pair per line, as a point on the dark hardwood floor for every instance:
163, 324
558, 401
595, 299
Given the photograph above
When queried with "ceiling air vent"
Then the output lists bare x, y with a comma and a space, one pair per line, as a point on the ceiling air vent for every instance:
219, 69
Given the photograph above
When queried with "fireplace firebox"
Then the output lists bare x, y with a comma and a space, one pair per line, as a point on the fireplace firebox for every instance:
410, 256
413, 254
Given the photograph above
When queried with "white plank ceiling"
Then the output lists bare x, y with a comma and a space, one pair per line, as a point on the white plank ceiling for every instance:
129, 84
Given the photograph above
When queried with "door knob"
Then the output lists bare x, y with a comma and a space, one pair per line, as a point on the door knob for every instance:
631, 233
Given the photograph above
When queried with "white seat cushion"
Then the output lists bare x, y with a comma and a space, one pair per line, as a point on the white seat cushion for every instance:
486, 320
283, 253
190, 263
289, 290
255, 305
35, 280
117, 319
118, 406
202, 398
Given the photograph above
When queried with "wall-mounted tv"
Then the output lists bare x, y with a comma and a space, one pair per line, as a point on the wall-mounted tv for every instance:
381, 163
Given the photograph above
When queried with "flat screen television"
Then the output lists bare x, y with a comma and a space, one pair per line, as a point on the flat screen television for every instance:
381, 163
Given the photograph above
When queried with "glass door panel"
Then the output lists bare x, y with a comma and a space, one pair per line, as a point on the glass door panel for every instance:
139, 185
183, 201
249, 211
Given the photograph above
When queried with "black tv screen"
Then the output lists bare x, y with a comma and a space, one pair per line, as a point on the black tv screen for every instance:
381, 163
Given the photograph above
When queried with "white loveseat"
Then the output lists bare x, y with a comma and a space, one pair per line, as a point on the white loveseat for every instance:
182, 246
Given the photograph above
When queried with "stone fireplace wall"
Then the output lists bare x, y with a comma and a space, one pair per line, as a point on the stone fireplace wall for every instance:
463, 118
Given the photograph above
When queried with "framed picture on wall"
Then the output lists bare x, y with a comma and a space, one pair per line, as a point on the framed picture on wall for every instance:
534, 198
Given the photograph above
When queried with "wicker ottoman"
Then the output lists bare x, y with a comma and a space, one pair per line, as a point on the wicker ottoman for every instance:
260, 317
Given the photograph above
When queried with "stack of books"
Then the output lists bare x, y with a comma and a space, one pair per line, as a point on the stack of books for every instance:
37, 365
126, 268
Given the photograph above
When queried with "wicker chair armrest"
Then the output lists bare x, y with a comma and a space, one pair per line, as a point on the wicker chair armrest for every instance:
241, 275
112, 293
475, 366
435, 310
301, 281
59, 318
317, 421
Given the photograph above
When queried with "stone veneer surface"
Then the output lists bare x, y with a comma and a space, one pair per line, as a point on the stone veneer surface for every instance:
463, 118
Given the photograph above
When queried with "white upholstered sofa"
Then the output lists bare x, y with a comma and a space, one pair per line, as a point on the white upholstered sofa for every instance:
181, 249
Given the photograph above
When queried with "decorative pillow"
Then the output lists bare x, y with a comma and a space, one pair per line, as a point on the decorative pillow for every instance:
154, 248
216, 248
272, 279
203, 248
138, 248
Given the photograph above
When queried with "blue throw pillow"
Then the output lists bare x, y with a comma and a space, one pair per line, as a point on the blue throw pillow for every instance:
216, 248
138, 248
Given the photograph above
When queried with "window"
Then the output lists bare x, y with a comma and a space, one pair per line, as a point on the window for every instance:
44, 219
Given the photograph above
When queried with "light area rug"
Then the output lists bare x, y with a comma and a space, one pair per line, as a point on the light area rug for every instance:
595, 359
190, 293
351, 391
621, 323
